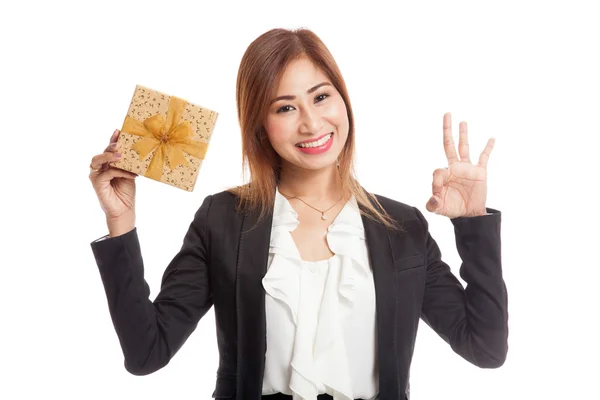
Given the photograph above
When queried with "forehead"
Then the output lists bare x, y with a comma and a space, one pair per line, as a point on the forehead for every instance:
300, 75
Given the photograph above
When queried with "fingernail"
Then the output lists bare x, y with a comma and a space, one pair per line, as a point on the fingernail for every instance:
434, 201
117, 155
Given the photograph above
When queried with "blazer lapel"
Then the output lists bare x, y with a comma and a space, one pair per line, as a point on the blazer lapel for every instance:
250, 302
382, 263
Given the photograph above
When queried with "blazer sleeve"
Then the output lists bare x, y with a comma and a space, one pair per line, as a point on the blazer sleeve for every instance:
474, 319
151, 332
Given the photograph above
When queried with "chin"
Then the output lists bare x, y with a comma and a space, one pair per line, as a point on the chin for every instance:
315, 165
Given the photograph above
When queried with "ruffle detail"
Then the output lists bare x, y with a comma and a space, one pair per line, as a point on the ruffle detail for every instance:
346, 237
319, 351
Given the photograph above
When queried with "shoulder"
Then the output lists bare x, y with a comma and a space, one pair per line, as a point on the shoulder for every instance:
219, 204
223, 199
218, 210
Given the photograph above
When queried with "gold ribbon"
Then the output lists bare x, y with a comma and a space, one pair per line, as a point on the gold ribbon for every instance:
170, 139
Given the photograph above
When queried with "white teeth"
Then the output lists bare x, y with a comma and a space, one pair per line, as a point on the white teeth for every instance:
318, 143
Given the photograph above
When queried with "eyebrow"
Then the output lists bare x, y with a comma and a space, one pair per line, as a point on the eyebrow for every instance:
309, 91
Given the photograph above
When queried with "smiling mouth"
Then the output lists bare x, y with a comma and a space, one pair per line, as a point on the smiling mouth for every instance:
316, 143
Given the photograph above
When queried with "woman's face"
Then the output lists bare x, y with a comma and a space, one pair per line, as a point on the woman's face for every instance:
307, 122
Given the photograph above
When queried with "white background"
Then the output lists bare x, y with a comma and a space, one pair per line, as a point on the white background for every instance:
526, 73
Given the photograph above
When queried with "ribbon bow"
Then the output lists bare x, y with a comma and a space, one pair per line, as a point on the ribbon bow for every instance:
170, 139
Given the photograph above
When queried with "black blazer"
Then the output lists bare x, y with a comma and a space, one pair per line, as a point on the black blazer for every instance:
222, 263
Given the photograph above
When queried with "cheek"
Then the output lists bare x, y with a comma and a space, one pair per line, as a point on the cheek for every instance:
277, 131
337, 113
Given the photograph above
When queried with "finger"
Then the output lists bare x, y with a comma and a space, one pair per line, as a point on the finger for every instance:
99, 160
439, 177
485, 154
112, 147
448, 140
463, 142
112, 173
115, 136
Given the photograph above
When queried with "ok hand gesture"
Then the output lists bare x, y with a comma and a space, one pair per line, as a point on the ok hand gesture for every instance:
460, 190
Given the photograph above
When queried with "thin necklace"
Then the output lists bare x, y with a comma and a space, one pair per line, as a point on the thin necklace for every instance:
323, 216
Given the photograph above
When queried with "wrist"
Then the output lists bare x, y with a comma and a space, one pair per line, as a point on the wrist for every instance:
120, 225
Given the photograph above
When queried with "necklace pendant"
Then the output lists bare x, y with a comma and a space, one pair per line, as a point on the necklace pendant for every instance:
323, 216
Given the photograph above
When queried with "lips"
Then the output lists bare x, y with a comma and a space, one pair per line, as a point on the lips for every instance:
314, 140
313, 150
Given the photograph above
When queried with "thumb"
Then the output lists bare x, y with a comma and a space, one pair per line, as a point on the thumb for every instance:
437, 187
433, 204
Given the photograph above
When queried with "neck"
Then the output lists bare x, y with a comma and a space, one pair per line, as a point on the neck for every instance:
311, 185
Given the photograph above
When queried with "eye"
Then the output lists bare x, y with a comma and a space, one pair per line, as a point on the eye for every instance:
321, 97
283, 109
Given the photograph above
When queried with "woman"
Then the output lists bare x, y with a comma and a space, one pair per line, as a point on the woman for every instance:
318, 286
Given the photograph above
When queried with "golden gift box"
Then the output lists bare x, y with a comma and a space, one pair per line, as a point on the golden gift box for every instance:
165, 138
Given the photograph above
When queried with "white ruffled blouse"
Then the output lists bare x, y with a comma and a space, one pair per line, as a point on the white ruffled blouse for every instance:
321, 327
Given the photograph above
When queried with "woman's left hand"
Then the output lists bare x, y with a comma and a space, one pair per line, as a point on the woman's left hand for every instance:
461, 189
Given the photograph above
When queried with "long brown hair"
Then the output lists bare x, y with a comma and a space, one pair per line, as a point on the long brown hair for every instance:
260, 71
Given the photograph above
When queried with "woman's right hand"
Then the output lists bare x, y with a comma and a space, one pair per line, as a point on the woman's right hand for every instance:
114, 187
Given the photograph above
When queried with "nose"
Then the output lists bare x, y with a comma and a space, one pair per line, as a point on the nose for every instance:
311, 121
